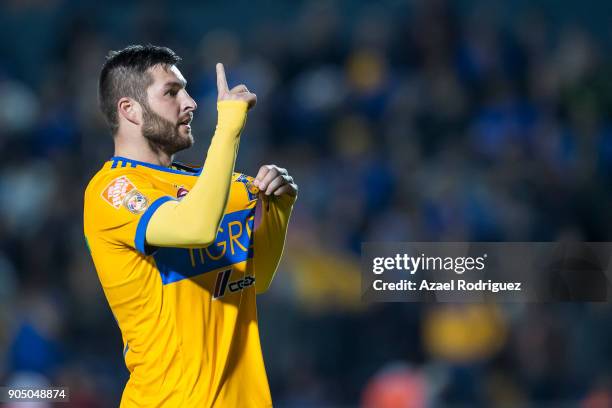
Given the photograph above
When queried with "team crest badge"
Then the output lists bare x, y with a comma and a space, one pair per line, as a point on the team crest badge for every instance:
251, 189
135, 202
117, 190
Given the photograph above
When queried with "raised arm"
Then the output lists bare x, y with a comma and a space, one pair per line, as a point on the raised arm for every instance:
194, 221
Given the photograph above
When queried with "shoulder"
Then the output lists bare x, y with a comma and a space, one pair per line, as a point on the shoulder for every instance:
110, 184
114, 195
115, 200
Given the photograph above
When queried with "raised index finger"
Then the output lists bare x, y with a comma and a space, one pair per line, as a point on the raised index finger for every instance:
221, 80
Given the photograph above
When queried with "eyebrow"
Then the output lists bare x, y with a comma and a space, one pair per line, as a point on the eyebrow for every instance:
179, 83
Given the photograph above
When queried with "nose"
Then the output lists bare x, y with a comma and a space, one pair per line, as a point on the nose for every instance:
189, 104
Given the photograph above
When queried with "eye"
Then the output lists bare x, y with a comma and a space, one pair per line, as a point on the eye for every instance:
172, 92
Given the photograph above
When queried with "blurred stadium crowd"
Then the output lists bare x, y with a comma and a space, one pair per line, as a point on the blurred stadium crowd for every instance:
418, 120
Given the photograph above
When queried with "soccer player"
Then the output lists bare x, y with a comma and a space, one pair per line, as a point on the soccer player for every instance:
180, 251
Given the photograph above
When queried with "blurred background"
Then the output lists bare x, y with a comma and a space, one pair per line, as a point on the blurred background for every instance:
400, 120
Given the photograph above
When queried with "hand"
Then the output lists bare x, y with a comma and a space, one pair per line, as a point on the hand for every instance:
272, 179
237, 93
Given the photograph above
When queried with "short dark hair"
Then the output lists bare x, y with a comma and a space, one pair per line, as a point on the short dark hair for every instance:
124, 74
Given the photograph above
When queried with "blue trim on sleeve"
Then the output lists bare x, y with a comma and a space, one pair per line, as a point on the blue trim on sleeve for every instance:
141, 229
133, 163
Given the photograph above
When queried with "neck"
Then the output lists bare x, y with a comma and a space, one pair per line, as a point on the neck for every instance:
140, 150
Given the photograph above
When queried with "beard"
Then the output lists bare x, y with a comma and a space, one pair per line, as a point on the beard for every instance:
163, 135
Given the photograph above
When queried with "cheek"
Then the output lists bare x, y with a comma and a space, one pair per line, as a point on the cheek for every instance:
169, 111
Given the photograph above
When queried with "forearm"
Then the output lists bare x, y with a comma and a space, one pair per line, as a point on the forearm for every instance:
194, 221
269, 239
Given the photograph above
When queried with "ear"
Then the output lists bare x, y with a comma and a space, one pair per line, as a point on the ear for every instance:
130, 110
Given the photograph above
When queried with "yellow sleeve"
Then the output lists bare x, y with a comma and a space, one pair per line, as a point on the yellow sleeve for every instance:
269, 238
194, 221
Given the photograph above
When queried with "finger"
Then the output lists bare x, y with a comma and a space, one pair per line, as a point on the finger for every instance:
275, 183
288, 178
280, 180
251, 99
239, 88
290, 189
221, 80
263, 170
248, 97
270, 175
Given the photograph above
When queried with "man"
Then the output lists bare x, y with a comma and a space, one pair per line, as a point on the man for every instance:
176, 248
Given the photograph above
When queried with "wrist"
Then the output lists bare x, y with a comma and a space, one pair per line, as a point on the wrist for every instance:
285, 200
231, 115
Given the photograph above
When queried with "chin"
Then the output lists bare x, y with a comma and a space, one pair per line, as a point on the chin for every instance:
188, 143
187, 135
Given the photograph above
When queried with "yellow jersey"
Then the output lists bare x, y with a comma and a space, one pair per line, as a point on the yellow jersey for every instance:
188, 317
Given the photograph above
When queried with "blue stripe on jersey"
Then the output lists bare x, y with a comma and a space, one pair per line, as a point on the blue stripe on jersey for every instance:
232, 245
141, 229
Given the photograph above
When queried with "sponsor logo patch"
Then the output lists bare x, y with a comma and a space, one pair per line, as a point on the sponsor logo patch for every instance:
117, 190
221, 284
135, 202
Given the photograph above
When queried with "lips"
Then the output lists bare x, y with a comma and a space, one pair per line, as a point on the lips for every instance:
186, 121
186, 124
